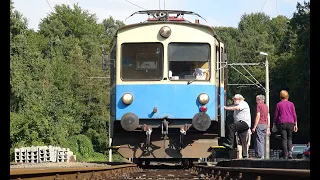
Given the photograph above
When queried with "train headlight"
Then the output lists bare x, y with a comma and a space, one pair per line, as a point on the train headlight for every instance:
165, 31
127, 98
203, 98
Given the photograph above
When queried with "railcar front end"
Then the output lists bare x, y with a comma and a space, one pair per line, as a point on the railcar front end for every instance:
167, 90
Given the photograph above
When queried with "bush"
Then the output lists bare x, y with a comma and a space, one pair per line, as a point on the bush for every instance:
82, 147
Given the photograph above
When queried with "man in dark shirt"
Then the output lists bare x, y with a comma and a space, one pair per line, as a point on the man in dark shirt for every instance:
261, 127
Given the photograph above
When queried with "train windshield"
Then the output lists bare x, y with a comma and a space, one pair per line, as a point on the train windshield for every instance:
189, 61
142, 61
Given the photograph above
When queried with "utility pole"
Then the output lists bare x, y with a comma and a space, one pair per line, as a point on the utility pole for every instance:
267, 151
105, 59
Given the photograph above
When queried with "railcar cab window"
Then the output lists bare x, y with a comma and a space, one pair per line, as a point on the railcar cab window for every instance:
141, 61
189, 61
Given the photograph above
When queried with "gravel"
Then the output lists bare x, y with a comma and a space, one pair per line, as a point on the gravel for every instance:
58, 165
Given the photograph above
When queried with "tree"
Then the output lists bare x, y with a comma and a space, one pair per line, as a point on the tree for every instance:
230, 38
76, 55
52, 99
28, 74
300, 67
111, 26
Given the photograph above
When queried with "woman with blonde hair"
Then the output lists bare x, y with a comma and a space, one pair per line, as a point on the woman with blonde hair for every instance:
285, 119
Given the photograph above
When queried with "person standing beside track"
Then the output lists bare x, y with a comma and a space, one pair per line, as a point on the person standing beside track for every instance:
261, 127
242, 122
285, 119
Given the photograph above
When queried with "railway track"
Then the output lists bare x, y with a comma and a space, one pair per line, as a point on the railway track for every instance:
237, 173
72, 173
131, 171
218, 173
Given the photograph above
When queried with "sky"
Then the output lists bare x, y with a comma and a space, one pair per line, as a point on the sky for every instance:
216, 13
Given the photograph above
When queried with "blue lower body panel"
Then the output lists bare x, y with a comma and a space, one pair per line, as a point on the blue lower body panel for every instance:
174, 101
178, 103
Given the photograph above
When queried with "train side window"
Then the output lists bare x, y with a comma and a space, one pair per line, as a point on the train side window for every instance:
217, 59
189, 61
113, 67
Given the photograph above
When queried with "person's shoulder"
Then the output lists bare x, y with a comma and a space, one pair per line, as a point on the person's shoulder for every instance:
290, 102
264, 105
281, 103
286, 102
244, 103
261, 105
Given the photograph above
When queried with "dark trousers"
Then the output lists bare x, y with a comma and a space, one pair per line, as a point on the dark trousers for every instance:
286, 130
241, 128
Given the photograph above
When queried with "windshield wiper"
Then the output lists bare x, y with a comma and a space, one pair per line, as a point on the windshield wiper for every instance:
191, 81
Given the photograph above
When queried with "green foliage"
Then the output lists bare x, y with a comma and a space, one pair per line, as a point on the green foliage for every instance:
52, 99
111, 25
82, 147
81, 144
287, 41
116, 157
300, 73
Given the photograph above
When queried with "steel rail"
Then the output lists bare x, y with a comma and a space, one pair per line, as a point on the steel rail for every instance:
60, 173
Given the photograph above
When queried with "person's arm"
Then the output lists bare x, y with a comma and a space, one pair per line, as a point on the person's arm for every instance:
276, 115
232, 108
207, 75
257, 119
295, 128
268, 123
294, 115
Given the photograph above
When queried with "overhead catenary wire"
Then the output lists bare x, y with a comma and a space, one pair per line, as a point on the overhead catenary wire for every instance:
246, 77
276, 8
58, 16
263, 5
49, 5
292, 14
135, 5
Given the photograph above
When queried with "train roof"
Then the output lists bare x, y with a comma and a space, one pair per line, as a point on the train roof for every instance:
162, 17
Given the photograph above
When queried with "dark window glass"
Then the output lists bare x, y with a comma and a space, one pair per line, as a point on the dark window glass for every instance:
113, 66
189, 61
142, 61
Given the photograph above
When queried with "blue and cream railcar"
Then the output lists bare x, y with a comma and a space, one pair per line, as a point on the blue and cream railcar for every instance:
167, 88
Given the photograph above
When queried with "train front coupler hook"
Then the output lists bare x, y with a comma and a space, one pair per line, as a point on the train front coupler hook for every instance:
165, 124
183, 132
148, 131
148, 140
